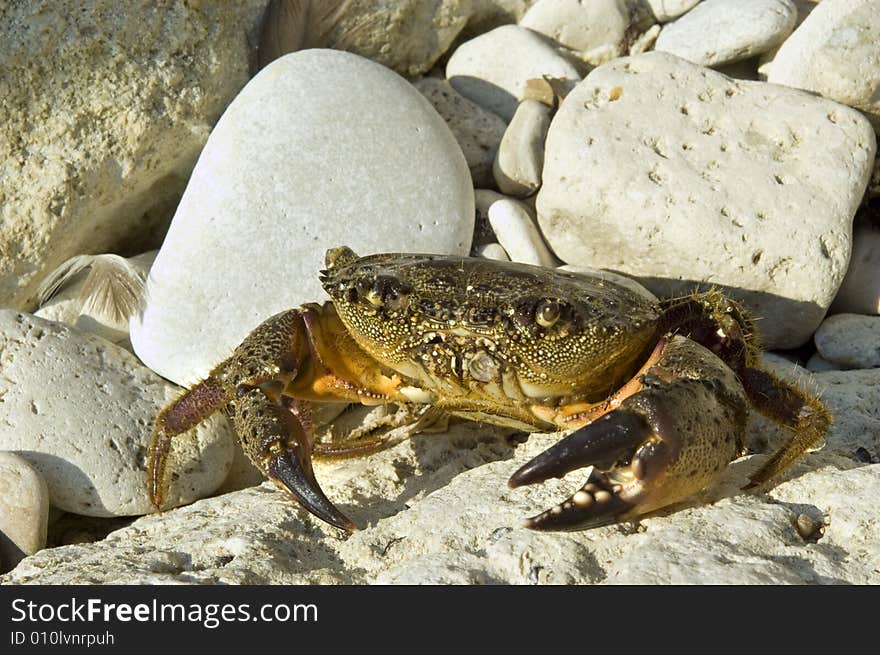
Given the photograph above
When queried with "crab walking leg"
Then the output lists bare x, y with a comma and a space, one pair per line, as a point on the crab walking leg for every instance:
664, 443
804, 415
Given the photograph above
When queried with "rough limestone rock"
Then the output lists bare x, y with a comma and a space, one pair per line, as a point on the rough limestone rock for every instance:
24, 510
322, 148
493, 68
719, 32
105, 108
80, 409
407, 36
436, 509
850, 340
609, 25
657, 202
477, 130
836, 53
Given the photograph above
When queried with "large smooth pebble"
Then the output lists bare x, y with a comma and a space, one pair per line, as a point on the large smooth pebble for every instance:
24, 509
493, 68
718, 32
666, 203
836, 53
322, 148
520, 156
81, 410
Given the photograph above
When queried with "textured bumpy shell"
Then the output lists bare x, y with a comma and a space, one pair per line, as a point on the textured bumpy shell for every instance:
458, 324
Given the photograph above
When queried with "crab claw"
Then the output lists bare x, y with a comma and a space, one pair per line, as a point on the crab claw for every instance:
672, 437
292, 470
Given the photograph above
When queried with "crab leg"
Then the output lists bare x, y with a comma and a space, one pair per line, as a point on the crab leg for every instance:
249, 386
665, 442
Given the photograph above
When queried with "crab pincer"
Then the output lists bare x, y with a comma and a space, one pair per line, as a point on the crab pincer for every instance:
672, 437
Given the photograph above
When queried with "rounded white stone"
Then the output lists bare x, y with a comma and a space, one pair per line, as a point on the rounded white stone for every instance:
493, 251
859, 292
835, 52
81, 411
584, 25
850, 340
520, 156
722, 31
818, 364
666, 203
477, 130
24, 509
321, 149
518, 235
666, 10
493, 68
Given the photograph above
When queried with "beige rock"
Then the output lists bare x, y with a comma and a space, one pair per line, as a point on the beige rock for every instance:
859, 292
493, 68
477, 130
520, 155
666, 10
658, 203
850, 340
105, 109
514, 225
717, 32
80, 409
610, 25
835, 53
24, 510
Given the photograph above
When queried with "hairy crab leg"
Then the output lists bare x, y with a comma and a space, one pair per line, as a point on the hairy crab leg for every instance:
804, 415
249, 386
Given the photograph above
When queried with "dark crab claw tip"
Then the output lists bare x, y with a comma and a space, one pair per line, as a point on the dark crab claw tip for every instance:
289, 471
601, 444
593, 505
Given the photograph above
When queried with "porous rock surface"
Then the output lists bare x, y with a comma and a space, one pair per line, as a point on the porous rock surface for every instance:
292, 169
437, 510
80, 409
666, 203
104, 109
836, 53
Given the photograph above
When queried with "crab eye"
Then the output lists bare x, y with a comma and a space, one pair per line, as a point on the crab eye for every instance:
547, 313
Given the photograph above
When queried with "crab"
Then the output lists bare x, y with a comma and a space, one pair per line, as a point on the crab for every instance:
653, 396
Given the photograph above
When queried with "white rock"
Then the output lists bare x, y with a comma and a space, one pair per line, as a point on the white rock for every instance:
610, 276
493, 68
658, 203
722, 31
666, 10
105, 109
447, 516
584, 26
854, 400
835, 53
80, 409
301, 161
804, 7
818, 364
96, 313
24, 510
477, 130
494, 251
520, 156
518, 235
859, 292
850, 340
